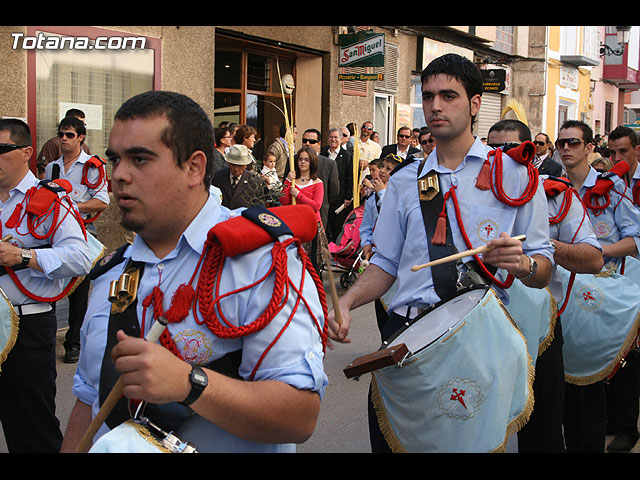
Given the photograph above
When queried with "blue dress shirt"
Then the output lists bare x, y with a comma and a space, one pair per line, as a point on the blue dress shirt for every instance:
400, 236
295, 359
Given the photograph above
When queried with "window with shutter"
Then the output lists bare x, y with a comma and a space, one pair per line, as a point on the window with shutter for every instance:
389, 82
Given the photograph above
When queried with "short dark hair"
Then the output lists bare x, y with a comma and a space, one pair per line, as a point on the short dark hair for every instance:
313, 162
587, 133
189, 127
220, 132
376, 162
621, 132
19, 132
458, 67
511, 125
313, 130
75, 112
546, 137
75, 123
242, 132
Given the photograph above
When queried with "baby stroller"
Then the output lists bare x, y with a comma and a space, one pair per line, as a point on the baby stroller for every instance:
346, 250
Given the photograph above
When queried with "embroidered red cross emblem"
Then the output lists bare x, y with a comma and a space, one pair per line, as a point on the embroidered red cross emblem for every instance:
489, 229
588, 296
458, 396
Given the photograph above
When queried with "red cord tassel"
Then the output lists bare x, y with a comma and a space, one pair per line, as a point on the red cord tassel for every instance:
440, 235
180, 303
15, 217
483, 182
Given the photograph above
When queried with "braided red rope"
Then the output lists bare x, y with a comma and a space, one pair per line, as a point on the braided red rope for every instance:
497, 181
202, 299
31, 230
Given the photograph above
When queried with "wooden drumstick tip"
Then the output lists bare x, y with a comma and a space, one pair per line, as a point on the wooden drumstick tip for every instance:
6, 238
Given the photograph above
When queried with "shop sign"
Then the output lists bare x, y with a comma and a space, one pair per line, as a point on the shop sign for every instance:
362, 49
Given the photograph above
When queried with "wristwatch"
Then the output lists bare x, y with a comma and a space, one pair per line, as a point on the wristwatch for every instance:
533, 268
26, 256
199, 381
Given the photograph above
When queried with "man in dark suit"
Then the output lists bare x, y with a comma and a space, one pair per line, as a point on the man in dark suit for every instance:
237, 184
344, 162
545, 164
403, 148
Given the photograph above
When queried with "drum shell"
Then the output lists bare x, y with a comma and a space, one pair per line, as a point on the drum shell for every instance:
600, 323
484, 362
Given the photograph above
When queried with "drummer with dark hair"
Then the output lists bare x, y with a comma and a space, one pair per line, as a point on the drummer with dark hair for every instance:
615, 223
421, 220
238, 367
576, 248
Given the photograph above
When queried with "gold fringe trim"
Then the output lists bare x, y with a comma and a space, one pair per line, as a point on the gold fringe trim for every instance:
627, 345
14, 318
383, 420
512, 428
552, 325
147, 436
523, 417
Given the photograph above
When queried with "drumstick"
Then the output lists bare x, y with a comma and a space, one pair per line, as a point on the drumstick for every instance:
332, 286
456, 256
116, 392
7, 238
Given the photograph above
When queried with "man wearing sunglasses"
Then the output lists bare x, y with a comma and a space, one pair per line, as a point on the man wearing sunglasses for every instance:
576, 249
52, 149
41, 265
403, 148
618, 230
92, 197
427, 142
543, 161
369, 150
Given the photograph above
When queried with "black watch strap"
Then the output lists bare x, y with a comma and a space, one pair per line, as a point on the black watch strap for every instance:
199, 380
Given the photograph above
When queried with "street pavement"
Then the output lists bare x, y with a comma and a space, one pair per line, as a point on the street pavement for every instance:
342, 424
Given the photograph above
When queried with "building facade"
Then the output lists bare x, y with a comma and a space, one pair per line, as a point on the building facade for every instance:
544, 73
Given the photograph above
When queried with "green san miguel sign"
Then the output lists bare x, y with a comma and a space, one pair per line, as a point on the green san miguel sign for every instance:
362, 49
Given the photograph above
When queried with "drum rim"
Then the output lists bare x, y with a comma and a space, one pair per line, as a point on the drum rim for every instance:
409, 323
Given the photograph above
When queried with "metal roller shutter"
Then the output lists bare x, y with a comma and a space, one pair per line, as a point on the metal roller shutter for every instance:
490, 112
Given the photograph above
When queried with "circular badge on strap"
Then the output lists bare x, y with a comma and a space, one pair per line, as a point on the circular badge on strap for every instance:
269, 220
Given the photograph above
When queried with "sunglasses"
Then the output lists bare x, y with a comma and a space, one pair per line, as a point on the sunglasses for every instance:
561, 142
538, 142
309, 140
424, 142
405, 136
367, 128
505, 146
66, 134
9, 147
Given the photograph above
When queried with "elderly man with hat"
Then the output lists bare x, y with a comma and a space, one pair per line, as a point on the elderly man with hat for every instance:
236, 182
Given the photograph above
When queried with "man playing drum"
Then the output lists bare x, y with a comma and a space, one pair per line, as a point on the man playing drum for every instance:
576, 248
623, 390
46, 249
451, 92
615, 222
237, 374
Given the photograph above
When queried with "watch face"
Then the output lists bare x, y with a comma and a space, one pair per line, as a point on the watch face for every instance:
200, 377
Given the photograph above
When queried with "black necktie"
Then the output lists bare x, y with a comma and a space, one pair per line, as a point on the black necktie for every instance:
234, 183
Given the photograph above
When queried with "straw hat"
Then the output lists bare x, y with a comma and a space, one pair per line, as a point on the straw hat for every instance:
239, 155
